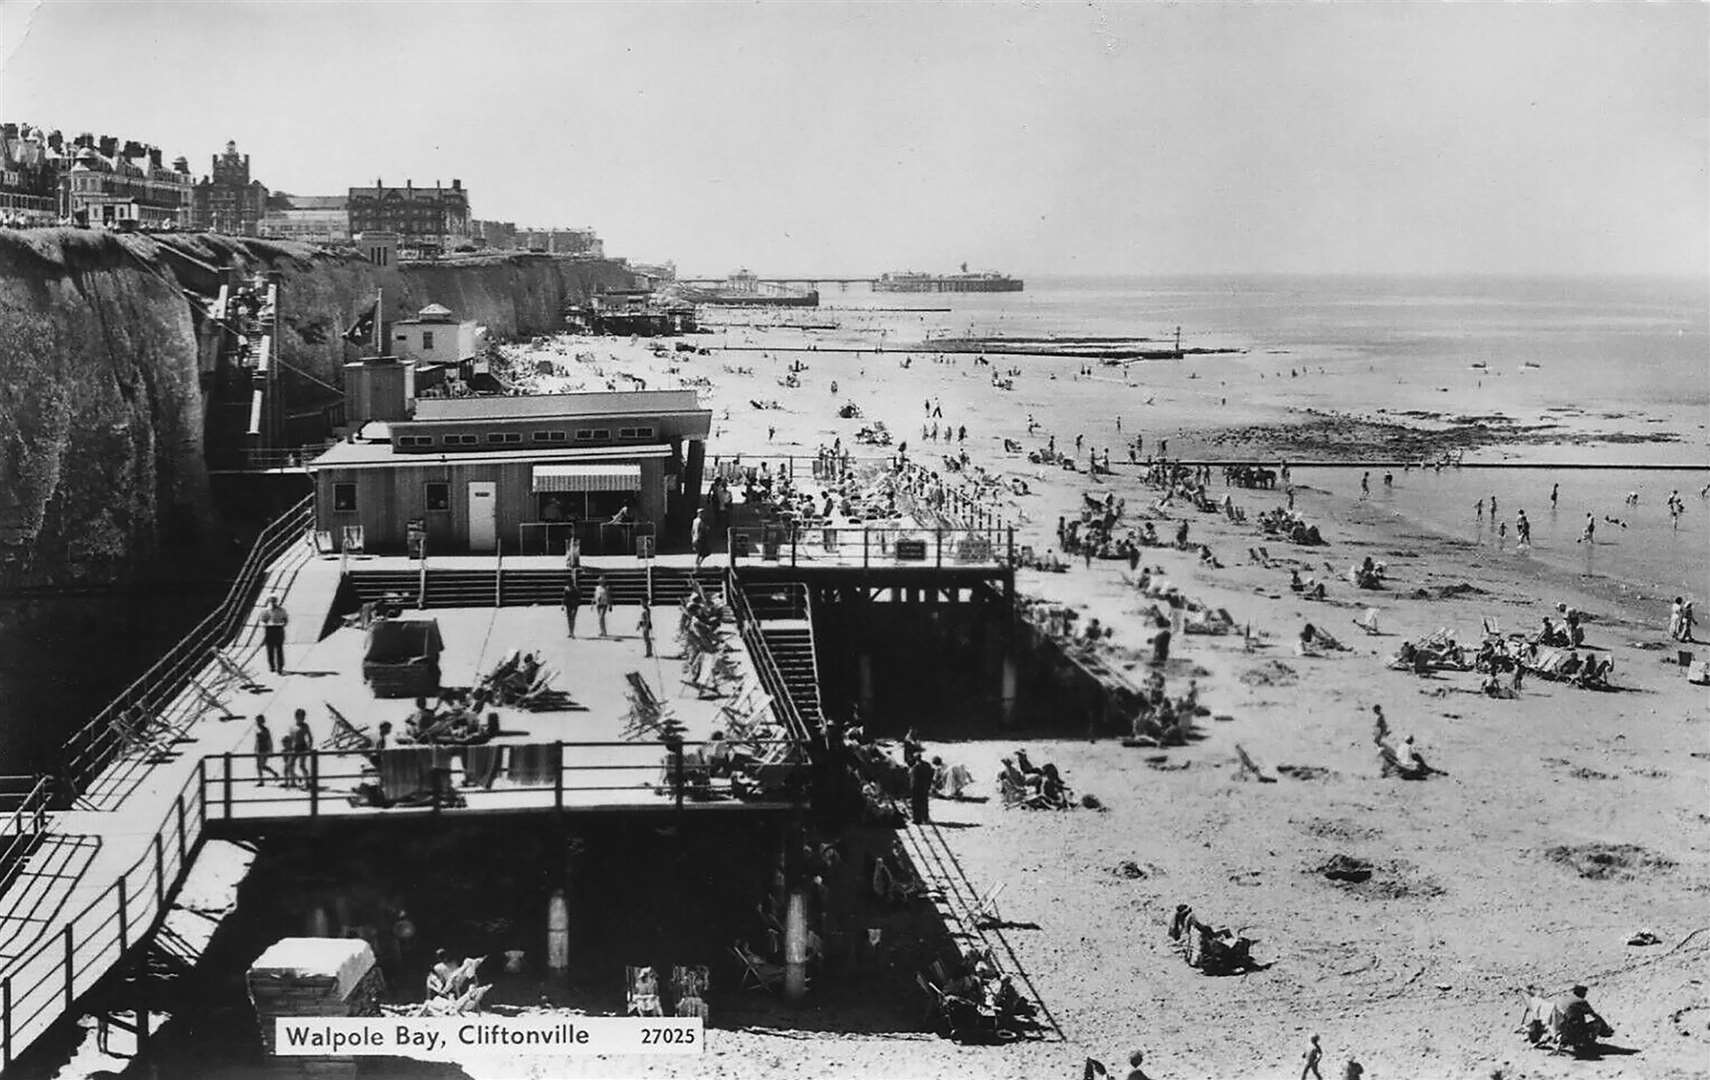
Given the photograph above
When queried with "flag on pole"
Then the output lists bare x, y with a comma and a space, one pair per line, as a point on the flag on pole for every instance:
363, 328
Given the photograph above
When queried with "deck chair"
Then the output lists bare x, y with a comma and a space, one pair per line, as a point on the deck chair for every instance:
344, 734
1250, 768
1369, 621
142, 735
235, 674
211, 698
353, 540
1010, 793
757, 973
1264, 556
985, 907
642, 992
322, 541
689, 985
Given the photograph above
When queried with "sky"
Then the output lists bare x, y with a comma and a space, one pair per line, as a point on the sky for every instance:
1035, 138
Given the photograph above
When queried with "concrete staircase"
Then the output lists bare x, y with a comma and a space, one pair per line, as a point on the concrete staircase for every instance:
793, 651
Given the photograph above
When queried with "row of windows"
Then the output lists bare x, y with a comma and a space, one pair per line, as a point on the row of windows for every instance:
437, 494
500, 438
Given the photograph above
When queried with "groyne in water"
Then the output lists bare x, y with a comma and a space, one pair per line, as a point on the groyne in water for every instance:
107, 354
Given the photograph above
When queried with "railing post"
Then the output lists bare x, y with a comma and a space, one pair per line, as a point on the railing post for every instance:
677, 767
1012, 545
6, 1023
159, 872
864, 539
939, 534
314, 782
70, 967
124, 915
228, 784
558, 779
183, 841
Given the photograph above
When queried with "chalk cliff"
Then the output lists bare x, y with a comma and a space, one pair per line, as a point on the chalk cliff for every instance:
104, 349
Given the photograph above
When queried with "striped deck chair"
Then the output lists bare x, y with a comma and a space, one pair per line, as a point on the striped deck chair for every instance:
344, 734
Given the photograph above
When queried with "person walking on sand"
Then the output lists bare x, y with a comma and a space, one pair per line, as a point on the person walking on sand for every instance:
572, 604
273, 620
1555, 491
644, 623
1493, 508
264, 750
1523, 529
1314, 1054
602, 603
1365, 485
1585, 537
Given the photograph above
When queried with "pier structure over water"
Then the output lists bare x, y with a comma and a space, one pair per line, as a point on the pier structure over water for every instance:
93, 858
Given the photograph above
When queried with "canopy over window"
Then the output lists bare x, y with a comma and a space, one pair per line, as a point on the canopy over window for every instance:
587, 478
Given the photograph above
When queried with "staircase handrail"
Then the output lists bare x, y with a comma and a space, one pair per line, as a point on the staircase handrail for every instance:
765, 664
90, 747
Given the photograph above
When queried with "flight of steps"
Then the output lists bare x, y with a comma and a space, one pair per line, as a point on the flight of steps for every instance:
792, 651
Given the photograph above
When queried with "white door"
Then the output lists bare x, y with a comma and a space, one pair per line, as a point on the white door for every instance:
483, 514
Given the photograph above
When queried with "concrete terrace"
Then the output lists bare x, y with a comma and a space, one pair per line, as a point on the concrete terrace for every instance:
107, 868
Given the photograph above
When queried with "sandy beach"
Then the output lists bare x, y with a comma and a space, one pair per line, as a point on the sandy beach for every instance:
1569, 820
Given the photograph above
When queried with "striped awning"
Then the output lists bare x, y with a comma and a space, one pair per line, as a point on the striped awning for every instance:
587, 478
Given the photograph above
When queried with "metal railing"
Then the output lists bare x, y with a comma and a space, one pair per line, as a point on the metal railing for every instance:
89, 749
765, 664
341, 781
24, 800
39, 986
874, 545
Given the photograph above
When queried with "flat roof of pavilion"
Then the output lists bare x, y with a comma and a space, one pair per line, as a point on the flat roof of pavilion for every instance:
346, 455
523, 406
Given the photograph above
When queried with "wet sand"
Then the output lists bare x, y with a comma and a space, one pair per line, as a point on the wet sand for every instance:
1569, 819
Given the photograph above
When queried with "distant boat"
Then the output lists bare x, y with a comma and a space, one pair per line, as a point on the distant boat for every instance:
1529, 363
1478, 366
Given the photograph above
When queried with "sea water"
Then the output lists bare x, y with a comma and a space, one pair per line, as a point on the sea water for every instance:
1622, 365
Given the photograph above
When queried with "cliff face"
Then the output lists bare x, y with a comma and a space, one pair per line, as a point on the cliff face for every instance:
101, 349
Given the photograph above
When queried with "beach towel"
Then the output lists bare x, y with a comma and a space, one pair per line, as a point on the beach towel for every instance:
405, 771
481, 764
535, 764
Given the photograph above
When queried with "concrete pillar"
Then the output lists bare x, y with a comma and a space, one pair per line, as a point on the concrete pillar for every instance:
1008, 710
558, 933
795, 946
865, 695
320, 924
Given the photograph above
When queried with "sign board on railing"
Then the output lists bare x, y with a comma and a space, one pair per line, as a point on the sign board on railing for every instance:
911, 550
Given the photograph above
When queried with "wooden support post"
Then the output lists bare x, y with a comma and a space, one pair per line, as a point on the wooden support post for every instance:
795, 946
558, 780
228, 784
314, 783
70, 966
124, 917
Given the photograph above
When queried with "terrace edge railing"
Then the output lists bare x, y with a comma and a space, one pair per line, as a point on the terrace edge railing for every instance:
28, 798
99, 741
68, 963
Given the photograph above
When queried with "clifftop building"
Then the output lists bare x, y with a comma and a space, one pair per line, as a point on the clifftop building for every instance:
428, 221
313, 219
116, 184
228, 201
508, 236
30, 164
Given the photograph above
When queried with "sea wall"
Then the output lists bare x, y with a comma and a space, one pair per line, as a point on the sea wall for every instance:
102, 350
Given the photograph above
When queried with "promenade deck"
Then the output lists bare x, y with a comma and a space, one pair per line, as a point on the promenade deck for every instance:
106, 869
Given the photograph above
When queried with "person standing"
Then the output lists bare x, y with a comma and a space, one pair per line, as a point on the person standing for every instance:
303, 742
572, 604
645, 624
273, 620
1313, 1055
920, 774
1590, 531
700, 538
263, 751
1523, 529
602, 603
1555, 490
1365, 485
